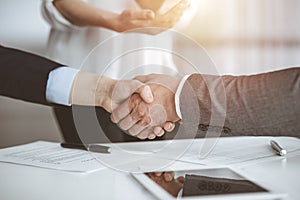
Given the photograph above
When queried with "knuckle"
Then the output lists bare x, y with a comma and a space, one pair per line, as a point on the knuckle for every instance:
141, 113
130, 13
123, 125
133, 132
144, 122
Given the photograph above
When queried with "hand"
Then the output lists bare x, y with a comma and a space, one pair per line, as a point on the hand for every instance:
167, 181
168, 176
91, 89
153, 5
138, 19
144, 120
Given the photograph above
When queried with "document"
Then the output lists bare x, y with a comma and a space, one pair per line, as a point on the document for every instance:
237, 150
52, 156
146, 156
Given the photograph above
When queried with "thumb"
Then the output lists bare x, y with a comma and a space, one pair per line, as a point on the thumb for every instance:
145, 92
124, 89
143, 14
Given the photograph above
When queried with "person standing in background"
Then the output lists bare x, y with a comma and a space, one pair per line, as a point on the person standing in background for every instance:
79, 26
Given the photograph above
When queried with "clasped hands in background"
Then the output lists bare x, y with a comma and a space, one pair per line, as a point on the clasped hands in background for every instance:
144, 106
80, 13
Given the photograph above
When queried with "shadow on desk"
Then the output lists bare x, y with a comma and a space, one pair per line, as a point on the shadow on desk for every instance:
89, 129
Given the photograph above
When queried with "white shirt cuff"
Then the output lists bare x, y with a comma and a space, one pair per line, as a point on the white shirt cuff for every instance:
177, 95
59, 85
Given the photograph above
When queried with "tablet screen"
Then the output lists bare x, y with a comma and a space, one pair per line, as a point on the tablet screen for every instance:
204, 182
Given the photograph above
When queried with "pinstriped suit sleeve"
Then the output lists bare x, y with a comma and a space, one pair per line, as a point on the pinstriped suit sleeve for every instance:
262, 104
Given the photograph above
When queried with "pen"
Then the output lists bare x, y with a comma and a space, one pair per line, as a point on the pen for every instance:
97, 148
277, 148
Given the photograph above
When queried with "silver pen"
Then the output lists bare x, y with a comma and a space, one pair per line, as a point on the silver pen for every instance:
88, 147
277, 148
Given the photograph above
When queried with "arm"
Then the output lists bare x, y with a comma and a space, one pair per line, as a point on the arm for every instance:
26, 76
81, 13
263, 104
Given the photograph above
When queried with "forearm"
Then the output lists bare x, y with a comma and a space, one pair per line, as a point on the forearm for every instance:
263, 104
24, 75
83, 14
91, 89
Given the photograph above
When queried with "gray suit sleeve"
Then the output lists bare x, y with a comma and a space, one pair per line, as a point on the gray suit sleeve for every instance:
262, 104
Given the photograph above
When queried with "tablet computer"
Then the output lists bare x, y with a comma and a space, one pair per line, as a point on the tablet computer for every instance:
212, 183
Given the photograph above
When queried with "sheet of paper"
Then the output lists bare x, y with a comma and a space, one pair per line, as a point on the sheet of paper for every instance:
205, 152
236, 150
148, 156
52, 156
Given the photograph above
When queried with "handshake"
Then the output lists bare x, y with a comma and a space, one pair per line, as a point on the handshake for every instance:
144, 106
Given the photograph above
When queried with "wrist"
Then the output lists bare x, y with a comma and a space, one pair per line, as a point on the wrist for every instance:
109, 20
91, 89
104, 92
84, 89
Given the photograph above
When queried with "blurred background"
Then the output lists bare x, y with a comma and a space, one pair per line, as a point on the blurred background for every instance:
241, 36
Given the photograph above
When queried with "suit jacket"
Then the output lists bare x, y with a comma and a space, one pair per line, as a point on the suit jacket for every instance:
263, 104
24, 76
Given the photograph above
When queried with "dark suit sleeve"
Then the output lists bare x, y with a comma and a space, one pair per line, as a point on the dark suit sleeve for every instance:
23, 75
263, 104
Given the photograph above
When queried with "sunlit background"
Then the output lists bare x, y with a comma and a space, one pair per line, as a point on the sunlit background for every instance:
248, 36
241, 36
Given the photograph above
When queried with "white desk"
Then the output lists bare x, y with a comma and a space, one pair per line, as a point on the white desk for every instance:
24, 182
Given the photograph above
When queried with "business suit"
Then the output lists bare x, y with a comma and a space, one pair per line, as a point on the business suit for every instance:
24, 76
263, 104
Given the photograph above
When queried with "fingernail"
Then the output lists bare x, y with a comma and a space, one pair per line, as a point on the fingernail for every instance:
151, 136
168, 177
149, 94
150, 14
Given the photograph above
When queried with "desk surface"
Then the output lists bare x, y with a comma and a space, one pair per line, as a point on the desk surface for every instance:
24, 182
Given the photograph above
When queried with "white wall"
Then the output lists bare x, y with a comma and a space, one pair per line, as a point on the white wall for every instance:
21, 26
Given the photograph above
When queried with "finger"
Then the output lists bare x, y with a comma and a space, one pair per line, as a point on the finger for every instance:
168, 176
146, 78
169, 126
158, 131
175, 13
143, 78
139, 14
127, 122
145, 93
158, 173
180, 6
140, 126
151, 136
181, 179
144, 134
124, 89
120, 112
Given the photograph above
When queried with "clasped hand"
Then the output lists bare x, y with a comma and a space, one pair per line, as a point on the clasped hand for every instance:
144, 106
148, 119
